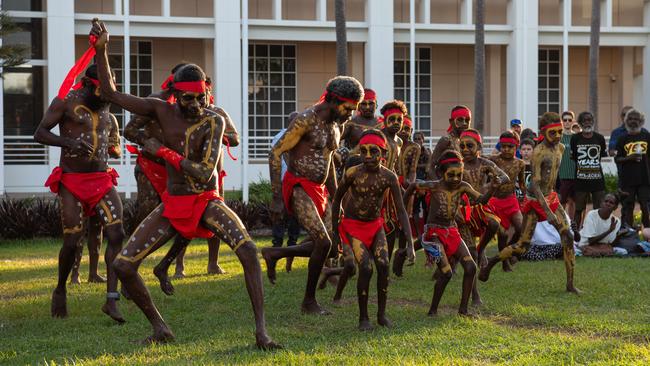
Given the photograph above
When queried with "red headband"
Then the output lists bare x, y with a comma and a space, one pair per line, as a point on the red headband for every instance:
508, 140
392, 111
449, 161
461, 112
343, 99
165, 84
408, 122
369, 94
473, 135
78, 67
552, 125
373, 139
190, 86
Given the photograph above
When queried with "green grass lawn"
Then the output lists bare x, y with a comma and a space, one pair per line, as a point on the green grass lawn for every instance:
527, 317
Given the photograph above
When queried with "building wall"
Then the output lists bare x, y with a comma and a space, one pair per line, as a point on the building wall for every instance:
550, 12
446, 11
260, 9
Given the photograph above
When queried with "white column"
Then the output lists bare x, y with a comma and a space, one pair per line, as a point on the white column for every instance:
606, 13
166, 8
522, 61
60, 51
466, 12
379, 55
126, 88
412, 56
277, 9
646, 60
117, 7
321, 10
566, 24
228, 76
425, 10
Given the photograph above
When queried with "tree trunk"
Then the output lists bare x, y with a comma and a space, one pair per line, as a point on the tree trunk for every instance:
479, 66
341, 38
593, 59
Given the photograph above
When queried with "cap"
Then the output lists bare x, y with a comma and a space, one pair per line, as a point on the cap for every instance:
515, 122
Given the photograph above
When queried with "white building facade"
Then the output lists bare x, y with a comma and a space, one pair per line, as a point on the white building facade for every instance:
268, 58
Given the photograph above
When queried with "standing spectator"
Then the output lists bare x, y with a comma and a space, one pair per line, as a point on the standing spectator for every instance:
515, 126
567, 172
587, 148
632, 155
576, 128
600, 231
288, 222
529, 134
618, 132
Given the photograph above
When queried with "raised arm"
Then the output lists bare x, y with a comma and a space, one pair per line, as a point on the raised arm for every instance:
53, 115
114, 148
149, 107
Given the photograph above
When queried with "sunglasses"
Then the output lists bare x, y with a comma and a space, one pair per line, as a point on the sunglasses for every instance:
567, 120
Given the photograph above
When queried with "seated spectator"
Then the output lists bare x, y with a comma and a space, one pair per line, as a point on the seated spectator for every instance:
546, 243
600, 229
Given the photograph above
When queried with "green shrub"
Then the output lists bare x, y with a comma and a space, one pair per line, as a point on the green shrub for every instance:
260, 192
611, 182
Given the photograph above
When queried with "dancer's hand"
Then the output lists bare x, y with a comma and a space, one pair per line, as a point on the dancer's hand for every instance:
99, 30
79, 148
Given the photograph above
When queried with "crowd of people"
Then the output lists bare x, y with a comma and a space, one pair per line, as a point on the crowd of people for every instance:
358, 183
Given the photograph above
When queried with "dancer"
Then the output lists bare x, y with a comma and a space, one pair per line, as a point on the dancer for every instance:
361, 229
191, 205
309, 143
505, 203
441, 232
542, 202
83, 180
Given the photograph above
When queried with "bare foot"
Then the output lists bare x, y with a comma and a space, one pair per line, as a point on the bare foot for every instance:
165, 283
179, 274
270, 265
59, 306
96, 278
110, 308
476, 301
573, 289
215, 269
265, 343
313, 307
365, 326
74, 279
466, 314
384, 322
159, 336
287, 266
433, 313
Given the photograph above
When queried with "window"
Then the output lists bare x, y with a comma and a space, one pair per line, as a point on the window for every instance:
271, 93
549, 81
23, 99
402, 84
23, 5
30, 34
141, 72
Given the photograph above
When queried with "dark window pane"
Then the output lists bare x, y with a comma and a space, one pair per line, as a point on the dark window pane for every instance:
261, 50
541, 82
261, 64
251, 123
554, 55
425, 81
24, 5
554, 69
289, 51
30, 35
289, 94
134, 60
144, 48
424, 96
276, 123
115, 60
276, 93
398, 67
134, 90
145, 77
543, 55
424, 67
554, 96
541, 108
554, 108
134, 76
261, 123
251, 108
289, 79
144, 91
425, 109
275, 64
288, 108
543, 70
145, 62
541, 96
425, 53
289, 65
399, 94
399, 81
276, 108
554, 82
23, 99
261, 108
251, 64
276, 79
262, 94
276, 51
251, 50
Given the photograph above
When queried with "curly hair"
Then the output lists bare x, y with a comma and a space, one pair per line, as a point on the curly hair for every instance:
189, 72
345, 87
446, 155
547, 118
397, 104
510, 135
583, 115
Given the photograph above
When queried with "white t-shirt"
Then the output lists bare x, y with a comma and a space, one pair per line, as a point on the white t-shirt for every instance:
545, 234
594, 225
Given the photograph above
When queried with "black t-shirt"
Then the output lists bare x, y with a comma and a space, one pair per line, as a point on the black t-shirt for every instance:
632, 173
586, 152
528, 173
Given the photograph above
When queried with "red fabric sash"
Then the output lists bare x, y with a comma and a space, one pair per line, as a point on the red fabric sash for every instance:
88, 188
552, 201
448, 236
362, 230
317, 192
185, 212
222, 175
156, 173
505, 208
78, 67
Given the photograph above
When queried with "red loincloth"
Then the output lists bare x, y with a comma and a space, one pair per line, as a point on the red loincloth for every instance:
362, 230
155, 172
317, 192
448, 236
478, 218
185, 211
505, 208
552, 201
88, 188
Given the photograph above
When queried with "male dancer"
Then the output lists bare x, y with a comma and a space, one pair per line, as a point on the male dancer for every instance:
505, 203
83, 180
459, 121
363, 120
361, 229
544, 203
191, 204
309, 143
441, 229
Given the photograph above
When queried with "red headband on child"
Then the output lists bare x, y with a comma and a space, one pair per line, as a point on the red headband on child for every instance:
552, 125
78, 67
449, 161
508, 140
369, 94
391, 111
473, 135
408, 122
373, 139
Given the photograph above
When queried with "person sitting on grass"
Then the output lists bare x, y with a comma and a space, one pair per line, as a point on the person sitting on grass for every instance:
600, 230
441, 239
361, 229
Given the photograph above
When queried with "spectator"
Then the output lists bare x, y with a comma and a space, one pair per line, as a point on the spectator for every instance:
587, 148
546, 243
526, 147
601, 229
575, 128
618, 132
286, 222
515, 126
632, 155
567, 172
527, 133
